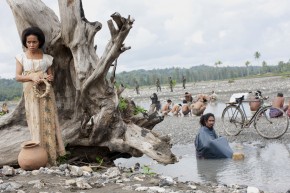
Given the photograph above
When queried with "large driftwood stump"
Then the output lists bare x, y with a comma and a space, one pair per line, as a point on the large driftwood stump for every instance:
87, 101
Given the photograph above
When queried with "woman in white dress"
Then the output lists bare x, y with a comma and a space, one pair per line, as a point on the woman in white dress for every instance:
32, 67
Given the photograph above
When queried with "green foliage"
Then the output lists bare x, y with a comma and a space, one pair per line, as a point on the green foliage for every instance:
173, 83
138, 110
122, 104
63, 159
99, 160
10, 89
147, 170
117, 85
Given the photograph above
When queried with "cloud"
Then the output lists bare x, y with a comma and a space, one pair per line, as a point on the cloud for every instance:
170, 33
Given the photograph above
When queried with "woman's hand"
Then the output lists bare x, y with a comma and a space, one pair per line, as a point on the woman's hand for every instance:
35, 78
49, 77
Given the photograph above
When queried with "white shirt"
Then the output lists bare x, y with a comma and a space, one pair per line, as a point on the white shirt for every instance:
35, 64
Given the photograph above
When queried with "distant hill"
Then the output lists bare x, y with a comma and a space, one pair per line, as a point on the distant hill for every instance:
10, 89
193, 74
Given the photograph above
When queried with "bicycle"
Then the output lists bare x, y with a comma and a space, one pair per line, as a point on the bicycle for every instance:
234, 118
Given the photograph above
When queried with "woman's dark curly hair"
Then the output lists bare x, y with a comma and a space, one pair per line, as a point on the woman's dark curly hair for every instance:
33, 31
204, 118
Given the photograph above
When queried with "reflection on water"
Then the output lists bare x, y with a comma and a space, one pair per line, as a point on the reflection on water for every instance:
266, 168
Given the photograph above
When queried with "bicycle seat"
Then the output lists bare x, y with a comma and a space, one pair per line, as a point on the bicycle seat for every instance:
240, 99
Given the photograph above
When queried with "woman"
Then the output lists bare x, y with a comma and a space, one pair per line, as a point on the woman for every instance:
207, 143
31, 67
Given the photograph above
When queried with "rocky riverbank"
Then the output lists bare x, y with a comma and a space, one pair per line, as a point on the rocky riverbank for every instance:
182, 130
68, 178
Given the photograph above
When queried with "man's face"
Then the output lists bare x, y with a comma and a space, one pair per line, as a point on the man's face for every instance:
210, 122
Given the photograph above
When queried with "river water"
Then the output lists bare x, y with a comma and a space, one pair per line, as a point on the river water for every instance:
264, 167
267, 168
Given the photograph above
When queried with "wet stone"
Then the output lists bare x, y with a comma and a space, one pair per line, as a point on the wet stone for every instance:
63, 167
8, 171
112, 172
75, 171
9, 186
166, 181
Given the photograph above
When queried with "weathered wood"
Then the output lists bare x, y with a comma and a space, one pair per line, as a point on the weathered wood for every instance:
87, 101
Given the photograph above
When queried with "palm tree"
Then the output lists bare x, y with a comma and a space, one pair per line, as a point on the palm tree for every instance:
257, 56
216, 64
265, 66
247, 64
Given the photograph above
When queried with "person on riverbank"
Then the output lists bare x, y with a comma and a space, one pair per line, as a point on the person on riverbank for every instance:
166, 108
158, 87
4, 109
254, 101
136, 86
183, 81
170, 84
288, 109
278, 103
208, 144
188, 98
185, 108
213, 96
198, 107
175, 111
33, 67
155, 104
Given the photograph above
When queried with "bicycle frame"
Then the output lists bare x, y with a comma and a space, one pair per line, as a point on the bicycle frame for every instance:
239, 105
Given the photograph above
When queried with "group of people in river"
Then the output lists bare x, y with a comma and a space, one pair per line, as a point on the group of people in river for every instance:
207, 143
189, 107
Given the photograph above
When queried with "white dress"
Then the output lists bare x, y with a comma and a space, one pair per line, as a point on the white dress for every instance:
41, 113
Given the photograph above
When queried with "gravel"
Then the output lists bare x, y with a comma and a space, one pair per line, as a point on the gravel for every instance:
183, 129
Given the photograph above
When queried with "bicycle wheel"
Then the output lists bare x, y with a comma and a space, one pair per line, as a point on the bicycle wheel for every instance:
271, 127
233, 119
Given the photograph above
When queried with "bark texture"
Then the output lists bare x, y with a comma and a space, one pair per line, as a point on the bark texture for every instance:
87, 101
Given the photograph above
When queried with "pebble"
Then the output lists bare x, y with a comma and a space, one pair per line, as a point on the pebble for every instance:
153, 184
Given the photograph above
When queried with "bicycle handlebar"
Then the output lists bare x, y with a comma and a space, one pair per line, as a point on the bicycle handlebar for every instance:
258, 95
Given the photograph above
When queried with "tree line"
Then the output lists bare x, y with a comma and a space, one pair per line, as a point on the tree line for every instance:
10, 89
197, 73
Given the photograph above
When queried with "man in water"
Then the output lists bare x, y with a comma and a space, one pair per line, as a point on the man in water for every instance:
207, 143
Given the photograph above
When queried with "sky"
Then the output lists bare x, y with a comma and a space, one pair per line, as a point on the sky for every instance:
184, 33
